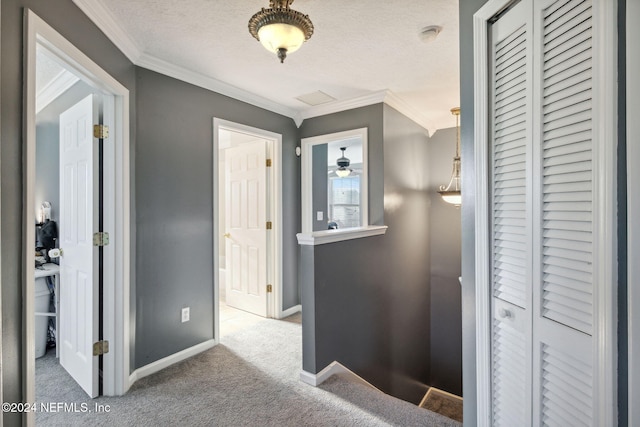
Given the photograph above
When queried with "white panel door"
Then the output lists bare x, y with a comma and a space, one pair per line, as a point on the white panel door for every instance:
78, 328
245, 226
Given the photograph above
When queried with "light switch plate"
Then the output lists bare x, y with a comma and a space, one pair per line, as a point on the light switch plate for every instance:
320, 215
185, 314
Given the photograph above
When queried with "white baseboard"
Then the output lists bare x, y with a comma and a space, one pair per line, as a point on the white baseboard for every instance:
159, 365
289, 311
333, 368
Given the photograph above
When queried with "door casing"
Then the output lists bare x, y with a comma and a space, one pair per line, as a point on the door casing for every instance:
116, 201
274, 302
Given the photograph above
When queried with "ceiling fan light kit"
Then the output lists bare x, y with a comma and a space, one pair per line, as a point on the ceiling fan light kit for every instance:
280, 29
343, 165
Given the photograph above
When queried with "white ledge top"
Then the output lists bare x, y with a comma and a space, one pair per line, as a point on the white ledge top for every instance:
332, 236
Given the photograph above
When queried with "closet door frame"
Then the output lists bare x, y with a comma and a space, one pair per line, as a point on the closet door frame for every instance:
604, 210
633, 208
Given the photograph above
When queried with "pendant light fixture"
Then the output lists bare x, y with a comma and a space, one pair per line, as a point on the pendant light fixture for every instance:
343, 165
280, 29
451, 193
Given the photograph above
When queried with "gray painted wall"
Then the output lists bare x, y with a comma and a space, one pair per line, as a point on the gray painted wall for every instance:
64, 16
47, 186
445, 237
371, 296
320, 185
174, 183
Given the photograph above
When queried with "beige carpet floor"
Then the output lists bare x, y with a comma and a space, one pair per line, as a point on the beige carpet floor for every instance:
250, 379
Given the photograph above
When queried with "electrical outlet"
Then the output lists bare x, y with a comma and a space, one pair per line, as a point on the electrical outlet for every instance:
185, 314
319, 215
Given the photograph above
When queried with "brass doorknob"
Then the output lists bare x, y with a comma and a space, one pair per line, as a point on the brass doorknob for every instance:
227, 235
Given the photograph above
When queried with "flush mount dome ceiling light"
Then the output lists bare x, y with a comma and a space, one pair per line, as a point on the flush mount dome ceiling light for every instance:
343, 165
280, 29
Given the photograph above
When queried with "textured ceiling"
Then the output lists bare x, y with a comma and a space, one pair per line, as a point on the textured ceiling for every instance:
358, 48
46, 70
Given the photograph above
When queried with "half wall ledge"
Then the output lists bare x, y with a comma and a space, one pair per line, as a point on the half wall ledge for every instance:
332, 236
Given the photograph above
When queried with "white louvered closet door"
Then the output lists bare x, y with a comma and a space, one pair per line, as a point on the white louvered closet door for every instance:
541, 209
563, 206
510, 207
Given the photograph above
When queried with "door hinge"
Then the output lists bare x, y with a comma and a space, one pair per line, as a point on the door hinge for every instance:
100, 131
268, 163
269, 225
100, 239
269, 288
100, 348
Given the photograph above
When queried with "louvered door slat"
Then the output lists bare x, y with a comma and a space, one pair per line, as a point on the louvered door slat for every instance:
568, 216
574, 196
566, 386
563, 291
558, 134
501, 168
571, 109
560, 253
561, 100
509, 160
567, 77
566, 36
515, 114
510, 67
514, 231
571, 117
576, 59
571, 165
567, 313
509, 375
566, 161
557, 93
571, 284
554, 13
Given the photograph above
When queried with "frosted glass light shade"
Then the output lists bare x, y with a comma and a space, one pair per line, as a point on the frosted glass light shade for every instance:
342, 172
453, 197
281, 36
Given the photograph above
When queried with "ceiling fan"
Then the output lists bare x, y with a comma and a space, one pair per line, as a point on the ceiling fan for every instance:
342, 169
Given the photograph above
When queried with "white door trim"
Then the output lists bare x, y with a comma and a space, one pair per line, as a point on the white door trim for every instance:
116, 212
482, 237
274, 304
633, 209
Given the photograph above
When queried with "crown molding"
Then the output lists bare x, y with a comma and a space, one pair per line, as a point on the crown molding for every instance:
383, 96
392, 100
343, 105
106, 22
56, 87
167, 68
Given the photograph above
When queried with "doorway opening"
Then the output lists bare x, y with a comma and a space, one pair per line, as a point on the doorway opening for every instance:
247, 224
73, 76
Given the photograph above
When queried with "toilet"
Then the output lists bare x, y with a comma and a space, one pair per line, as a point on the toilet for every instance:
42, 303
